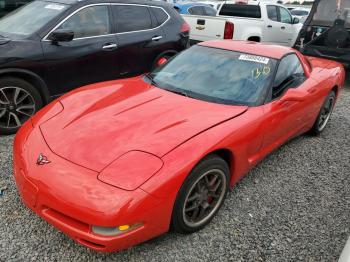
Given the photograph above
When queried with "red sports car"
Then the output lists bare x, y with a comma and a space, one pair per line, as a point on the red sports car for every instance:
116, 163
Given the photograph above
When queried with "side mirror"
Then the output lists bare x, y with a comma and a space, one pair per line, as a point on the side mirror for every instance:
61, 35
295, 20
293, 94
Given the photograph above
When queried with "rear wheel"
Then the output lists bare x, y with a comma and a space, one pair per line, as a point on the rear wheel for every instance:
19, 100
324, 115
201, 195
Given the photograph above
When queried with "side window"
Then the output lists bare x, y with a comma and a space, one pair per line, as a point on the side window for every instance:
290, 74
209, 11
90, 21
132, 18
285, 16
272, 12
160, 15
196, 10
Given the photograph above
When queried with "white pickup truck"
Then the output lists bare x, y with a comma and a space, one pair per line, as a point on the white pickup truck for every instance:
261, 22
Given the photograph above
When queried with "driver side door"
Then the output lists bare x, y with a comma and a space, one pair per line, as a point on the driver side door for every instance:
89, 58
283, 118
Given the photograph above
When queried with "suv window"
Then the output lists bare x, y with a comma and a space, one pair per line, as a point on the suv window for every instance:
272, 12
252, 11
90, 21
289, 75
196, 10
285, 15
160, 15
132, 18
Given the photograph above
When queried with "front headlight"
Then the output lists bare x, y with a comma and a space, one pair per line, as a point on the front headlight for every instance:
114, 231
131, 170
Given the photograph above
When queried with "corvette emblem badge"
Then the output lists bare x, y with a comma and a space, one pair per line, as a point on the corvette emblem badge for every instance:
42, 160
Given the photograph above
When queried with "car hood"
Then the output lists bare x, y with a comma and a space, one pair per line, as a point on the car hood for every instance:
101, 122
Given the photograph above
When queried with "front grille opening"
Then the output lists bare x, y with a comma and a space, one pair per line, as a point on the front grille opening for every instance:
64, 219
90, 244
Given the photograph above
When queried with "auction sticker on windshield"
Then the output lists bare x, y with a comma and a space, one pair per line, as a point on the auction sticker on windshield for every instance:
254, 58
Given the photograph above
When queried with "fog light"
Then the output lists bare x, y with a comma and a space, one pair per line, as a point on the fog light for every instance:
114, 231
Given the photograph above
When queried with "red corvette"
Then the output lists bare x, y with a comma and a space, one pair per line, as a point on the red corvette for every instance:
116, 163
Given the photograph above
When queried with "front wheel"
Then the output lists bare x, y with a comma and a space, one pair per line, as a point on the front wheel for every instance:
19, 100
324, 115
201, 195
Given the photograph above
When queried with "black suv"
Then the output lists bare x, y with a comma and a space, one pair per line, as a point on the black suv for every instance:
50, 47
326, 31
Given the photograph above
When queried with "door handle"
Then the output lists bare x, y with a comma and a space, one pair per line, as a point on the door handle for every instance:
109, 47
283, 27
156, 38
269, 26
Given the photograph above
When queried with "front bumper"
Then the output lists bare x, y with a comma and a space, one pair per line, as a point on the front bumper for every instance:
71, 198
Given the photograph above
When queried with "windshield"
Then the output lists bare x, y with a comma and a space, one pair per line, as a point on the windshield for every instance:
30, 18
329, 10
217, 75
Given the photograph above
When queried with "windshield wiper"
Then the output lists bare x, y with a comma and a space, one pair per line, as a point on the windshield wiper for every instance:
153, 82
182, 93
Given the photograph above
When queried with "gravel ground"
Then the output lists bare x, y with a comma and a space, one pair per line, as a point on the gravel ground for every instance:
294, 206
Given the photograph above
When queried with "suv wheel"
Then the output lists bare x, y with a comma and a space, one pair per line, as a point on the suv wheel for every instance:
19, 100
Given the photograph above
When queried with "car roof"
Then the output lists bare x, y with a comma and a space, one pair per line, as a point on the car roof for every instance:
187, 4
143, 2
254, 48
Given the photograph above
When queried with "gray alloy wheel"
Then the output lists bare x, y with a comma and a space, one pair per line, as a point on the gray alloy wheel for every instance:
19, 100
16, 106
201, 195
204, 198
324, 115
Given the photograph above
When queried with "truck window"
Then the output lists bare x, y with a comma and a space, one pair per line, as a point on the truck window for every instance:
209, 11
272, 12
251, 11
285, 16
196, 10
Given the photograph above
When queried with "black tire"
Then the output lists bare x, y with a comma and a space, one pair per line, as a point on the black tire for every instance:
324, 115
211, 165
19, 100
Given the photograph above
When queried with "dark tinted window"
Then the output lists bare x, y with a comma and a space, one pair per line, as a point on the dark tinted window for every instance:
252, 11
132, 18
289, 68
196, 10
160, 15
209, 11
90, 21
272, 12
